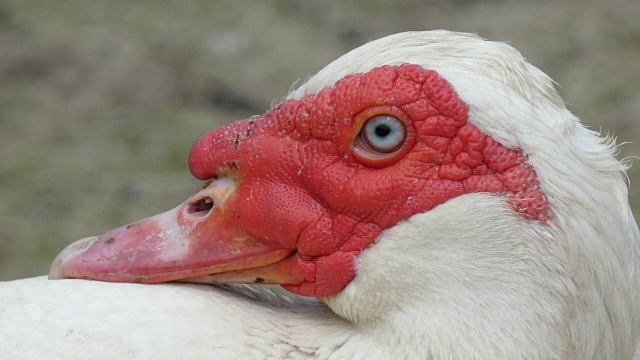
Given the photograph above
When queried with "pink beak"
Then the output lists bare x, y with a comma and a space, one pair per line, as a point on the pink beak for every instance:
197, 241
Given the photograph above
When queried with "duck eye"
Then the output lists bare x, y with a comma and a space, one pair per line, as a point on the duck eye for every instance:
383, 133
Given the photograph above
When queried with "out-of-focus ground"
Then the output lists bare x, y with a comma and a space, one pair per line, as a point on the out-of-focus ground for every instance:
100, 101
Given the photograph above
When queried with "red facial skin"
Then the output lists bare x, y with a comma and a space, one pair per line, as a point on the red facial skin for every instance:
302, 187
305, 197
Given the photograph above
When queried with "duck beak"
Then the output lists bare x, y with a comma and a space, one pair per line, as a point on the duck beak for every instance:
197, 241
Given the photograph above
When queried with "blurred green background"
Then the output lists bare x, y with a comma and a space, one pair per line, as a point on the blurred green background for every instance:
101, 100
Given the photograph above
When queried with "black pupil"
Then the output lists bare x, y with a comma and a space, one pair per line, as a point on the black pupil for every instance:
383, 130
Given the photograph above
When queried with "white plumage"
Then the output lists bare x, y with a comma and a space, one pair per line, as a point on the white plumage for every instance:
469, 279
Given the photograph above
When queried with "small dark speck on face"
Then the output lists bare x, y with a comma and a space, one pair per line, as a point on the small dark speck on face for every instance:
140, 280
259, 280
110, 240
237, 144
130, 226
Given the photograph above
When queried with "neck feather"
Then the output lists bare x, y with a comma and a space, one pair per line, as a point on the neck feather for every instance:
471, 279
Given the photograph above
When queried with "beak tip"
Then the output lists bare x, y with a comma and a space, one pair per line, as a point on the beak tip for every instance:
58, 269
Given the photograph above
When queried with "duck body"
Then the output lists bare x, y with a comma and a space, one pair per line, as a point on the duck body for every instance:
476, 218
44, 319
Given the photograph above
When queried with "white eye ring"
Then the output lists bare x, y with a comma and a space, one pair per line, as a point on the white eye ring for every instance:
383, 133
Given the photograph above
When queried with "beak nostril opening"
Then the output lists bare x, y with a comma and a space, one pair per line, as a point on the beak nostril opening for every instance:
200, 206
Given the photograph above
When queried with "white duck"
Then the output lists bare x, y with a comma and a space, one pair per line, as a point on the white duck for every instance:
430, 188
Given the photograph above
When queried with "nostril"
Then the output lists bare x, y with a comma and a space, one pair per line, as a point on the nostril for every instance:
201, 206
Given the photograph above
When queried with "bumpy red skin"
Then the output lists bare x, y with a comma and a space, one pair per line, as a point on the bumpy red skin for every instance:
301, 186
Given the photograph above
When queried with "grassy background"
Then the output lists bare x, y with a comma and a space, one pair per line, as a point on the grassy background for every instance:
101, 100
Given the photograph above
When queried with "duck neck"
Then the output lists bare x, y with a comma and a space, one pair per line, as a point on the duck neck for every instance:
453, 284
